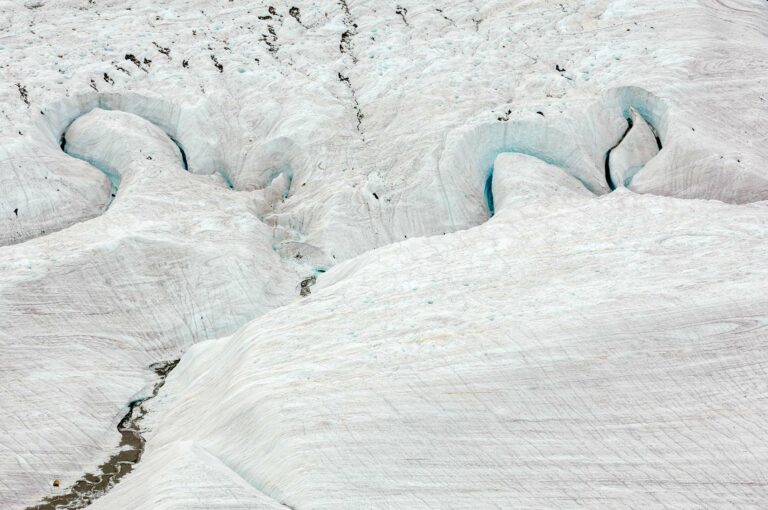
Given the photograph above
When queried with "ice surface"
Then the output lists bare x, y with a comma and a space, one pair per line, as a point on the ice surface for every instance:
520, 181
603, 360
176, 258
581, 348
636, 149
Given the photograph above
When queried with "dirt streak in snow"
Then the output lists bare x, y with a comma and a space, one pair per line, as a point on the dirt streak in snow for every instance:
92, 486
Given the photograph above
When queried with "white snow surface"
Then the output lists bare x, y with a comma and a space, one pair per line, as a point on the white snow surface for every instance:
580, 348
637, 148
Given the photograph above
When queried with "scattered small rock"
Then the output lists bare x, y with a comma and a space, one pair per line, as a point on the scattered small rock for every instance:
295, 13
163, 50
445, 17
216, 63
305, 284
131, 57
23, 93
402, 11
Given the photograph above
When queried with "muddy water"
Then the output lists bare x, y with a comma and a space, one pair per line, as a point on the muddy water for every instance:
91, 486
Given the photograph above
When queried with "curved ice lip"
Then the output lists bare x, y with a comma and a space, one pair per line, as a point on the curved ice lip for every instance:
114, 141
176, 121
581, 148
206, 149
57, 122
583, 153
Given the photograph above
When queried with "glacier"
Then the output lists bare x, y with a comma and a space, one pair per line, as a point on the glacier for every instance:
443, 254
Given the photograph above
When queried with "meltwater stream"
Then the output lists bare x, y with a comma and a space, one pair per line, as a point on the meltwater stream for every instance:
92, 486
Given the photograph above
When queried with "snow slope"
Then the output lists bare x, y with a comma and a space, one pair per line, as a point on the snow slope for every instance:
579, 349
583, 352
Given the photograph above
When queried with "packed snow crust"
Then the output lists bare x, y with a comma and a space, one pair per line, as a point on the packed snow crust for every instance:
170, 172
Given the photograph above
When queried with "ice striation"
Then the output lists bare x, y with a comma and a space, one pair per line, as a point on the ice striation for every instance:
427, 255
636, 148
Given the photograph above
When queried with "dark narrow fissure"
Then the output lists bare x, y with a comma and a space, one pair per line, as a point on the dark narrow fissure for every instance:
608, 178
183, 154
489, 193
91, 486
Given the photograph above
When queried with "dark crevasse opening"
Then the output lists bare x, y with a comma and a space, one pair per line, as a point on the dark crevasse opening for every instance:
608, 178
183, 154
489, 193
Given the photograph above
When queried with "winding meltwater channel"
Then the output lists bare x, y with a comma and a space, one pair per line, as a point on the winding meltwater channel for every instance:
638, 144
608, 178
94, 485
115, 142
118, 144
122, 144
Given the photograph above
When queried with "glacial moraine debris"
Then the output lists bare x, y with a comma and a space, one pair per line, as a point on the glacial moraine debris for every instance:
132, 58
165, 51
91, 486
355, 103
295, 13
402, 11
305, 284
217, 64
23, 93
270, 40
